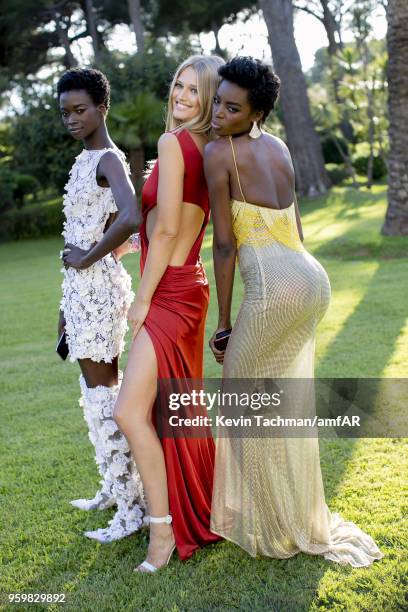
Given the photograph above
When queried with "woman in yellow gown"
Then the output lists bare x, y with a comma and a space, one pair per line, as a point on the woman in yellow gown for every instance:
268, 492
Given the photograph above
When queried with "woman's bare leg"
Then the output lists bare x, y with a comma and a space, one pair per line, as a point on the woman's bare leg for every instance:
99, 373
133, 414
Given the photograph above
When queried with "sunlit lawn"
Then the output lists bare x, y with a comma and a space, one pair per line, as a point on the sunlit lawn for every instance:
46, 458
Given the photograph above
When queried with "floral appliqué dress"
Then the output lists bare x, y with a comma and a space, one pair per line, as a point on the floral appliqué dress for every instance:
95, 301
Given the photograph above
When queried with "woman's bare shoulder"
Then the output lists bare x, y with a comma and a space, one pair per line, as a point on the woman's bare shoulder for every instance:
279, 147
278, 143
216, 149
167, 140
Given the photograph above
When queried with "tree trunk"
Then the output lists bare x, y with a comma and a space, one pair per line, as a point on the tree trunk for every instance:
137, 167
135, 15
304, 145
217, 49
91, 23
62, 31
347, 161
331, 27
371, 134
396, 219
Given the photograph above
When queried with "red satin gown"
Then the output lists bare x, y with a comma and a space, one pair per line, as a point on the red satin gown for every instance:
175, 324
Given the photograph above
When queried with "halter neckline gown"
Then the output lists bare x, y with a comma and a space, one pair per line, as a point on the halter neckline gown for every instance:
176, 324
268, 492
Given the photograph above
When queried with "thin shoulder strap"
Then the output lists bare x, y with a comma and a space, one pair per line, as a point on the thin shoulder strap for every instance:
236, 169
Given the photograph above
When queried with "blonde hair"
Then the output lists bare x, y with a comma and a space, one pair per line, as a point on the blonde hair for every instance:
208, 79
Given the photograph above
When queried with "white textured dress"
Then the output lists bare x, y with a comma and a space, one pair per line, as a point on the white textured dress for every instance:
95, 301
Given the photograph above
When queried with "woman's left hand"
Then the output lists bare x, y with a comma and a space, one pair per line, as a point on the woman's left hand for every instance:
74, 257
137, 314
219, 355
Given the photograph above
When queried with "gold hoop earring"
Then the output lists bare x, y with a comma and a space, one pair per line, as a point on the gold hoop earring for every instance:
255, 132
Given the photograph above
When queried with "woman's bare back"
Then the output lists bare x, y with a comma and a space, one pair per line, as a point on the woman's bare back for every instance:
192, 217
265, 171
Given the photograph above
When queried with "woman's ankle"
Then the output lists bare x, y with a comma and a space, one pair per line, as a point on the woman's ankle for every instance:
161, 530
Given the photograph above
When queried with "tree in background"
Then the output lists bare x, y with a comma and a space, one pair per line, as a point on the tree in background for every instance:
137, 122
140, 80
303, 142
41, 146
361, 27
24, 41
135, 14
363, 90
396, 220
331, 14
197, 17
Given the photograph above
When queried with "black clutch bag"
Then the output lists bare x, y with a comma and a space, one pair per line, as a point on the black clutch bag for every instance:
221, 339
62, 346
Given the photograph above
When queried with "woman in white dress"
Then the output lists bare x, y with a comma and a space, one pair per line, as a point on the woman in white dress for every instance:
97, 290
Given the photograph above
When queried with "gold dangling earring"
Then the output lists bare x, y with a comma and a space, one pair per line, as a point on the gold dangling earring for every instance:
255, 132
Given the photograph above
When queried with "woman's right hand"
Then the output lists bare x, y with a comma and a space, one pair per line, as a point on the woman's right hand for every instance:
61, 323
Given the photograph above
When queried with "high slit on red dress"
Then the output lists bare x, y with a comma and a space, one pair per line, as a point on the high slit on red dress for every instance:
175, 324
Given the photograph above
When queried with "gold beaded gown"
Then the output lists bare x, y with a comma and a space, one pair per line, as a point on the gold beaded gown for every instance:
268, 493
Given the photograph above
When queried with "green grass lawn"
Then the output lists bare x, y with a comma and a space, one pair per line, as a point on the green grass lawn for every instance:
46, 459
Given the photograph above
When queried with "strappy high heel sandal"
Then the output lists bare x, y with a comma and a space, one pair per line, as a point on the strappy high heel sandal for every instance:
146, 565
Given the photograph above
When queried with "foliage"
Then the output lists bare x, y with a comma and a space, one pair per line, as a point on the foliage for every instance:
137, 121
7, 187
330, 149
204, 16
358, 79
42, 147
152, 72
379, 166
360, 97
24, 41
337, 173
25, 185
34, 221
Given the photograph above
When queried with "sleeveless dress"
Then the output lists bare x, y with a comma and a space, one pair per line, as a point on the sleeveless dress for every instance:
175, 324
268, 492
95, 301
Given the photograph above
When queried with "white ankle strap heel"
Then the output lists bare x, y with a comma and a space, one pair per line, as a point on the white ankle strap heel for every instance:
148, 567
161, 519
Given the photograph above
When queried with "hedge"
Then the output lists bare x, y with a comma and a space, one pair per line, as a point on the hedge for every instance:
31, 222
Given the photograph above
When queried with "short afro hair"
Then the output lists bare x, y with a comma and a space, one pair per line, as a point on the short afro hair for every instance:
258, 78
94, 82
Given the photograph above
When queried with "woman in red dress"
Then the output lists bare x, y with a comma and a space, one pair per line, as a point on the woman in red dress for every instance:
168, 319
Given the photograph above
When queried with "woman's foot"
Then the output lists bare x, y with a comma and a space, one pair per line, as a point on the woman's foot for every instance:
101, 501
125, 522
161, 546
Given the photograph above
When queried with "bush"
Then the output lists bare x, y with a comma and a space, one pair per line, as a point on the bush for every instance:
337, 173
379, 168
42, 148
7, 187
25, 185
32, 222
330, 150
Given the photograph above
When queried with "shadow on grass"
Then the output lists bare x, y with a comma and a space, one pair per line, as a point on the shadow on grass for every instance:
351, 248
378, 324
345, 199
